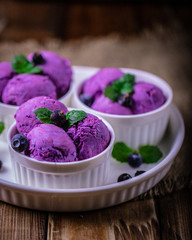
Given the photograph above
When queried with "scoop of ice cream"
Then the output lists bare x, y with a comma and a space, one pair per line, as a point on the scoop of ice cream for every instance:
147, 97
6, 73
96, 84
105, 105
57, 68
50, 143
90, 136
22, 87
25, 116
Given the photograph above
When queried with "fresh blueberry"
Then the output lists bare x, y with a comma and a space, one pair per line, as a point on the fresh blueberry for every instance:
58, 118
37, 58
135, 160
86, 99
19, 142
139, 172
126, 100
123, 177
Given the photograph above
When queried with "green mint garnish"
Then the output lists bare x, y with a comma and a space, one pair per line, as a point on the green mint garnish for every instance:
122, 86
44, 114
20, 64
149, 153
75, 116
111, 93
2, 127
121, 151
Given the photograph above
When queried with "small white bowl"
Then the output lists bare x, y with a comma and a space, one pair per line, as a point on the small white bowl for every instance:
91, 172
139, 129
8, 111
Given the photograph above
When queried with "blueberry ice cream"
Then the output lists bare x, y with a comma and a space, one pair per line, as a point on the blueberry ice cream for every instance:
23, 87
25, 116
114, 92
57, 134
56, 67
50, 143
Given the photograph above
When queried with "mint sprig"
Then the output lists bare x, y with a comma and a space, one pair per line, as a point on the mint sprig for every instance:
20, 64
43, 114
121, 151
2, 127
123, 85
75, 116
72, 117
149, 153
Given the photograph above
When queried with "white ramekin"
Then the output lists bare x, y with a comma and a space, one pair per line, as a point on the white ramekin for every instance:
139, 129
91, 172
7, 111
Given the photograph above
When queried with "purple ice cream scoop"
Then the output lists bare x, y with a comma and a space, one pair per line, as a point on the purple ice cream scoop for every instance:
50, 143
6, 73
105, 105
147, 97
22, 87
96, 84
90, 136
57, 68
25, 116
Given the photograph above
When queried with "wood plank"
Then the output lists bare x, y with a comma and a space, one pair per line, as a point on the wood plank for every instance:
131, 220
21, 224
176, 215
71, 21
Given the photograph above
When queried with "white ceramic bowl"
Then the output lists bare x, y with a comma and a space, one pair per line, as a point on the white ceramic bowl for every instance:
7, 111
90, 172
139, 129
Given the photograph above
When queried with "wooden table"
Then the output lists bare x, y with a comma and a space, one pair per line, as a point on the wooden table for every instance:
164, 212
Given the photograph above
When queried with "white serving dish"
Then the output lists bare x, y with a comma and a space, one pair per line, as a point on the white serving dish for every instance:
110, 194
139, 129
91, 172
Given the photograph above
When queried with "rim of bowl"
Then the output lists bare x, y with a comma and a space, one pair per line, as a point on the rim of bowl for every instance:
81, 162
168, 93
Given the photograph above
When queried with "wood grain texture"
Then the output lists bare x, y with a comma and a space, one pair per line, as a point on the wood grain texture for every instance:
132, 220
175, 215
21, 224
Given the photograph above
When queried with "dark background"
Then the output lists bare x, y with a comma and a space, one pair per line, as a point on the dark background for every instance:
66, 20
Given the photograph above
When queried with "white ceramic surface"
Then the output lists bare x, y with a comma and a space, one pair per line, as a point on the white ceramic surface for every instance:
90, 172
139, 129
113, 193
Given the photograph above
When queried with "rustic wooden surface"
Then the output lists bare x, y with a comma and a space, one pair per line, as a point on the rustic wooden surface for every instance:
162, 213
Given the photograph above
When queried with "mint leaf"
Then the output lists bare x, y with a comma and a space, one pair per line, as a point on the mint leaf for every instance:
150, 154
121, 151
34, 70
20, 64
111, 93
125, 84
43, 114
122, 86
75, 116
2, 127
